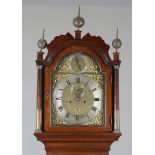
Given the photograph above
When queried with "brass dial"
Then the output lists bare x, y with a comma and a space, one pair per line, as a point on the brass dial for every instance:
77, 99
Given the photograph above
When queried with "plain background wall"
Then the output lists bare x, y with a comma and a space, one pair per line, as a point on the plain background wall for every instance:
57, 20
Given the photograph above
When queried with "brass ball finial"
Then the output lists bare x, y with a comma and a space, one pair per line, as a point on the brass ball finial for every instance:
78, 21
42, 42
116, 43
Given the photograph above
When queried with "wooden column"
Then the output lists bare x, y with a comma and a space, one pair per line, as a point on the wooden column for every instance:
39, 93
116, 66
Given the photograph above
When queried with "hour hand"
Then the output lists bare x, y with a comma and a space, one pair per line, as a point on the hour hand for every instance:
78, 91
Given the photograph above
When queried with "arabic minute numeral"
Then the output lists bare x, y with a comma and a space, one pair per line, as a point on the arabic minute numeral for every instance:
94, 108
60, 108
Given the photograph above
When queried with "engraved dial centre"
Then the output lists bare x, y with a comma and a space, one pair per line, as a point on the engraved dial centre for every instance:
77, 90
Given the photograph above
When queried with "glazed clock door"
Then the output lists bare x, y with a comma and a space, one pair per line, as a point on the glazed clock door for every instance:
78, 92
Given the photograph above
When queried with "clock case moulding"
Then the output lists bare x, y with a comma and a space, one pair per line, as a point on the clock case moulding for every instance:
77, 140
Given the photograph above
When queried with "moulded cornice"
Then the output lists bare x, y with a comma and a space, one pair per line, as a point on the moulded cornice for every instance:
61, 42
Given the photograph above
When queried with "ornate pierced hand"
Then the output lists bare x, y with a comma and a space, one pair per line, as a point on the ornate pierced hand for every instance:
78, 91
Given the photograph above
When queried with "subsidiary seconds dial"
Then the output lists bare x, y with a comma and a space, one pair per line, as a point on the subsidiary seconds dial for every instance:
77, 99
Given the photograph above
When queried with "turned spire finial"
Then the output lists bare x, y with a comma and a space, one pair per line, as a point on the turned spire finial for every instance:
116, 43
79, 11
78, 21
42, 42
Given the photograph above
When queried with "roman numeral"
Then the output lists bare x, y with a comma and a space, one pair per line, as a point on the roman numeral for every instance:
94, 89
60, 108
94, 108
87, 115
68, 82
60, 89
87, 82
77, 118
78, 80
67, 115
96, 99
58, 98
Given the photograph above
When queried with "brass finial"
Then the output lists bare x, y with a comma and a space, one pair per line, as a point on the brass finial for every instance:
78, 21
42, 42
116, 43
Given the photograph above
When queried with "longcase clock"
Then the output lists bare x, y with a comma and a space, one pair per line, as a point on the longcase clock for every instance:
78, 94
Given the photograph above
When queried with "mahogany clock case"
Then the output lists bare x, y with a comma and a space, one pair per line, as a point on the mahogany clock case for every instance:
67, 45
59, 48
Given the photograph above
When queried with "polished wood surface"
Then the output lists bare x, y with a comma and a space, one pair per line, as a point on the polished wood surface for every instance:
66, 144
77, 153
